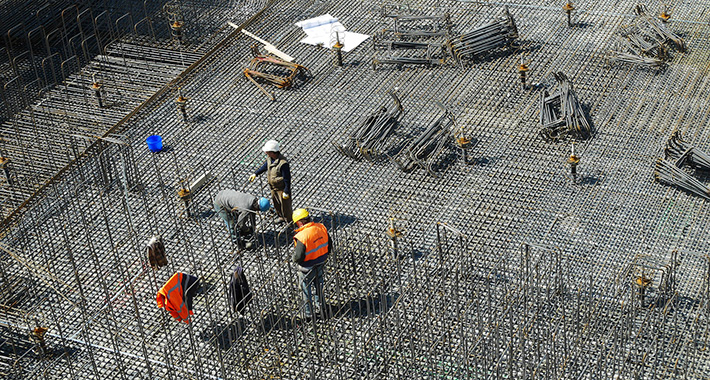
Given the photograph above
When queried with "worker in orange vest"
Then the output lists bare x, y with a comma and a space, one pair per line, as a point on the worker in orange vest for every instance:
176, 295
313, 245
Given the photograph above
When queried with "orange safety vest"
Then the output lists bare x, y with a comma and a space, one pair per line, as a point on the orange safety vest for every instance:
171, 297
315, 237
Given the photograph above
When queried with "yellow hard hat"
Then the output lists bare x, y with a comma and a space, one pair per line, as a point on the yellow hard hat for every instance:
300, 214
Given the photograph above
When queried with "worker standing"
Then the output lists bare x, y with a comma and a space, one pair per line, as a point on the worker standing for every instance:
238, 210
313, 245
278, 174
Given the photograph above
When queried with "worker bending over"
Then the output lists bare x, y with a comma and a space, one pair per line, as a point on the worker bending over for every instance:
313, 245
238, 210
278, 174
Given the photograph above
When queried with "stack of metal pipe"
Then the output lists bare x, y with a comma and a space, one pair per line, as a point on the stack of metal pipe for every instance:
561, 114
370, 137
483, 40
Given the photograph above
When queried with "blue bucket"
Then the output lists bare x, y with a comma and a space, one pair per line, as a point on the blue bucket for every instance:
155, 143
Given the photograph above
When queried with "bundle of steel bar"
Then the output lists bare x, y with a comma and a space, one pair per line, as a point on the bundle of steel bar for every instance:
370, 137
281, 74
679, 153
670, 173
406, 61
421, 43
647, 41
561, 114
424, 150
657, 30
380, 42
433, 51
485, 39
620, 56
682, 152
405, 27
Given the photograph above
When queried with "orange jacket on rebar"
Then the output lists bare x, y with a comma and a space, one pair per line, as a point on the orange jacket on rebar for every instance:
176, 296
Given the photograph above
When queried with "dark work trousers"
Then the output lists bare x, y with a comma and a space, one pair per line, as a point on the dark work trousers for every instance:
239, 223
314, 278
281, 205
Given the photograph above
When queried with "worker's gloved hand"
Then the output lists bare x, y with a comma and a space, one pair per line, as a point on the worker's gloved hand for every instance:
252, 177
286, 196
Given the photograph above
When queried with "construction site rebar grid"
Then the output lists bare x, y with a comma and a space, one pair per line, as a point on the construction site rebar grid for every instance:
500, 266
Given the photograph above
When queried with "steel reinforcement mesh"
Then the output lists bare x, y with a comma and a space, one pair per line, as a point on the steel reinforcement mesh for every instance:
505, 267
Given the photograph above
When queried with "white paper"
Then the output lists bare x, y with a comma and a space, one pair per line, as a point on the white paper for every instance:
352, 40
321, 31
316, 21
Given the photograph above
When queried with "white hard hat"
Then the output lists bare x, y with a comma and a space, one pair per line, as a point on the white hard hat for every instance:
271, 146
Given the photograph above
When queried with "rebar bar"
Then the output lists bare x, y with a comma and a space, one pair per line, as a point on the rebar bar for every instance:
670, 174
420, 44
681, 152
669, 170
561, 114
369, 138
647, 41
485, 39
425, 149
284, 78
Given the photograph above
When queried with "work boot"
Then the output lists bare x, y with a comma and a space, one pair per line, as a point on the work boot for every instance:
238, 242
